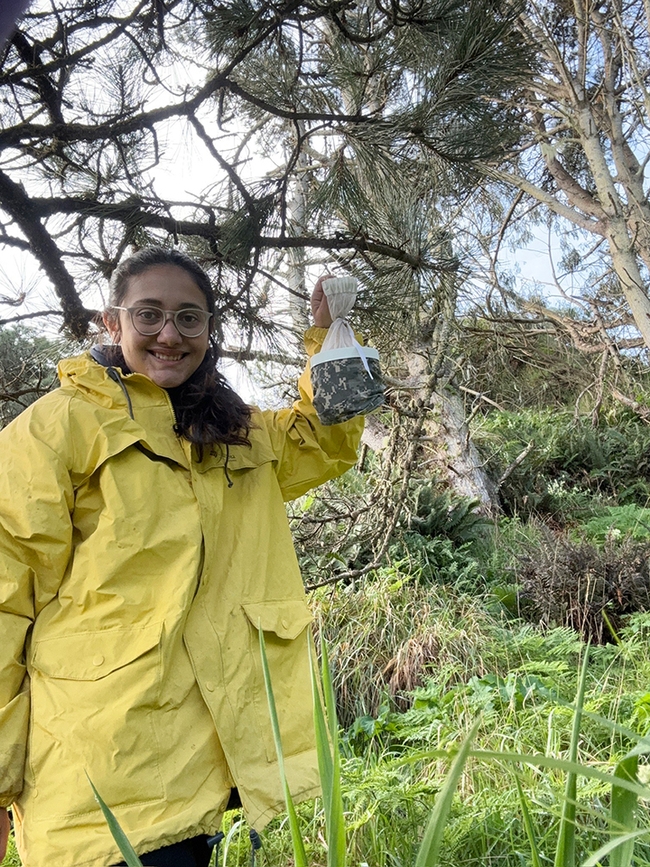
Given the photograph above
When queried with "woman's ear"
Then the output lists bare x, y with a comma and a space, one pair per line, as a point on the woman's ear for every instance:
111, 320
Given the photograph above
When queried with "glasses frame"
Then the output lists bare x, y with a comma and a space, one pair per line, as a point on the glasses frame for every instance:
167, 315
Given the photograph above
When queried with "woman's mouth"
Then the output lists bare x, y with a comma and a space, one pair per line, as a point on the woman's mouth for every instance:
165, 357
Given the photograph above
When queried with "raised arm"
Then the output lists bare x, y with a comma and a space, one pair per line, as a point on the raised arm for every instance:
310, 453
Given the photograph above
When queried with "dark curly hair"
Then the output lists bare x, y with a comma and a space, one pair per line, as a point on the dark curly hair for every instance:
208, 411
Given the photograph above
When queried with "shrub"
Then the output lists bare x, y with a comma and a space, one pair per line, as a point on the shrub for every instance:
576, 584
619, 522
440, 513
570, 461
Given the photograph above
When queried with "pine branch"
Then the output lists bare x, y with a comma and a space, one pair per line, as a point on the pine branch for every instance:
26, 216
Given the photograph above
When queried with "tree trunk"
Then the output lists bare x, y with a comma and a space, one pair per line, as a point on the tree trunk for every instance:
439, 429
446, 447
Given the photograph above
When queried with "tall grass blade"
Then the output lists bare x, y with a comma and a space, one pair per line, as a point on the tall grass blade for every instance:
595, 860
623, 811
428, 856
235, 828
296, 837
538, 760
336, 848
565, 853
123, 843
323, 746
528, 825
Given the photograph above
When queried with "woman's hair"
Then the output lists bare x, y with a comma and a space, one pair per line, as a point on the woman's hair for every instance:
207, 409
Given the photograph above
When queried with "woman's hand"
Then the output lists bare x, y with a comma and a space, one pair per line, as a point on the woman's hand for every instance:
5, 827
319, 307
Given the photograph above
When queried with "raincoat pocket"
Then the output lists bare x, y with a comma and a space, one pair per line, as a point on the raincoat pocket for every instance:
92, 655
284, 624
92, 698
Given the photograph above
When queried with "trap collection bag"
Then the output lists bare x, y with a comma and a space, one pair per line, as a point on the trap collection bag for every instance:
345, 376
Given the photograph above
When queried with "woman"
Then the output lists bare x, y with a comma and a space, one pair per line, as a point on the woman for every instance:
143, 541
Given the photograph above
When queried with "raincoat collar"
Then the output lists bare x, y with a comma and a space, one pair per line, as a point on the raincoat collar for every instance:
145, 409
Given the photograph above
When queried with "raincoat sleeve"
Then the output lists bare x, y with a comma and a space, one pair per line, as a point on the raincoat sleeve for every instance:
310, 453
35, 543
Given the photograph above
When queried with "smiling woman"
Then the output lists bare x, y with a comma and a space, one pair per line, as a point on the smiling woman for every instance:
143, 542
149, 293
166, 355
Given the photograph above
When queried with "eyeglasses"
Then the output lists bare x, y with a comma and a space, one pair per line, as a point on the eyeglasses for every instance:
189, 321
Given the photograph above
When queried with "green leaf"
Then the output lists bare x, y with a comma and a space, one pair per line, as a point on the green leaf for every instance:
537, 760
329, 763
336, 841
528, 825
623, 811
565, 853
613, 846
123, 843
325, 763
296, 837
430, 848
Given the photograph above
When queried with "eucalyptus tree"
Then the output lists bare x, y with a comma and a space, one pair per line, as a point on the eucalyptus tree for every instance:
582, 164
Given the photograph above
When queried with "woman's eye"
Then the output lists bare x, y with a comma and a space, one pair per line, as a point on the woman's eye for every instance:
148, 315
189, 318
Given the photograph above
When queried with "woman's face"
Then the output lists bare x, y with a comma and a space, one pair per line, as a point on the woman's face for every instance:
168, 358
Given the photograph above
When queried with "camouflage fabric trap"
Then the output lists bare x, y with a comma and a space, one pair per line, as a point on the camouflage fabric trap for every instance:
345, 375
343, 387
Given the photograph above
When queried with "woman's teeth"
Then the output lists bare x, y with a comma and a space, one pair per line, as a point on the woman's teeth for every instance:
166, 357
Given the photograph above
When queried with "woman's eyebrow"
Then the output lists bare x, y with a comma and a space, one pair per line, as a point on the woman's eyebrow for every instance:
156, 302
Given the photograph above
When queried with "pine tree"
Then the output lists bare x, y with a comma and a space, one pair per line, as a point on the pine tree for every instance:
374, 115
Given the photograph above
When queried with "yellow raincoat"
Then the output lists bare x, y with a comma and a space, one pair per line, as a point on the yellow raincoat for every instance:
132, 582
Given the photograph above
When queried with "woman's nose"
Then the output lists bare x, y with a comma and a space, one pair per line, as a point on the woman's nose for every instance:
169, 333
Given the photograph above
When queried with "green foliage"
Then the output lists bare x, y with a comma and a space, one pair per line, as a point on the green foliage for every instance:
329, 760
529, 726
429, 853
335, 528
438, 540
437, 561
618, 523
11, 858
520, 367
296, 836
389, 634
565, 851
570, 462
128, 852
441, 514
27, 369
624, 804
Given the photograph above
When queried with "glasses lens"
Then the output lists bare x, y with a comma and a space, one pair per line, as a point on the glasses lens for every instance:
147, 320
191, 323
151, 320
